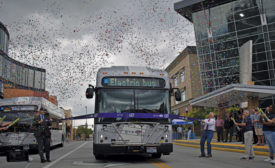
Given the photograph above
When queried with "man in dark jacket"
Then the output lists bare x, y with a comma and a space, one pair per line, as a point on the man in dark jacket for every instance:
228, 126
269, 132
42, 134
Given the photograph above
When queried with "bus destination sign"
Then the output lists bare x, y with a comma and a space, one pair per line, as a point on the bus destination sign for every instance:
133, 82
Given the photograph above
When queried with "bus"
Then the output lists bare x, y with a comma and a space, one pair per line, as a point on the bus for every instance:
21, 134
132, 91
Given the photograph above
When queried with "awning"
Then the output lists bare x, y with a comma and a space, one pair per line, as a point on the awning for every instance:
233, 94
181, 122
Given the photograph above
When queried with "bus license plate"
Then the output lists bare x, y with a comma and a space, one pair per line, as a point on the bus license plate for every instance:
151, 150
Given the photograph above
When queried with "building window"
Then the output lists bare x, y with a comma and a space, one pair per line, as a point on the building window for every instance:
182, 75
175, 81
183, 97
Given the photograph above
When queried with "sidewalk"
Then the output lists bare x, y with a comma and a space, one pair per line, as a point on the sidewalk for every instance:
230, 147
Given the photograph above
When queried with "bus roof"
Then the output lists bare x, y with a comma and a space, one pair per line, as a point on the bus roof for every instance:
131, 71
37, 101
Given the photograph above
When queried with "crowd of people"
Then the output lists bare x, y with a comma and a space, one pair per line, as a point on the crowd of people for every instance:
252, 127
226, 128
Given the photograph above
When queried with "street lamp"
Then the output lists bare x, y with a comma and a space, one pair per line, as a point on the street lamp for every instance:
86, 117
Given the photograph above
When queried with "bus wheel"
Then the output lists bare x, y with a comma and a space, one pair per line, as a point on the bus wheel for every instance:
99, 157
62, 141
62, 144
156, 155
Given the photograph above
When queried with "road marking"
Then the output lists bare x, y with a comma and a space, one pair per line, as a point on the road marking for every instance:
28, 165
57, 160
158, 165
165, 165
114, 165
82, 163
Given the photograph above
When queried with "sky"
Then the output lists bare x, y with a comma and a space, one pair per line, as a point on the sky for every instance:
72, 39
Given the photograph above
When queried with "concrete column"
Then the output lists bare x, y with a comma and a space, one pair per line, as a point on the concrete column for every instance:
253, 102
246, 62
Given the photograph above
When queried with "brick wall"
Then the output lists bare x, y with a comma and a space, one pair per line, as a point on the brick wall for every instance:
53, 99
10, 92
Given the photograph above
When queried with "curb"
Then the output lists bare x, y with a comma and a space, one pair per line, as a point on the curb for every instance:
258, 150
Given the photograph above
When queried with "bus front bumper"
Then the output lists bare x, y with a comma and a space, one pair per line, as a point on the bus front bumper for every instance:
108, 149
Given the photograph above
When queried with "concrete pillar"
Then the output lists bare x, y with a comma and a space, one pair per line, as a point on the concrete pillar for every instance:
246, 62
253, 102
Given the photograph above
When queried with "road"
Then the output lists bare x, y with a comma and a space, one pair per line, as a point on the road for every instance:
78, 154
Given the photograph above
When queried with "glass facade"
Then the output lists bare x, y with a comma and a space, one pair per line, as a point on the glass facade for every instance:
221, 30
21, 75
4, 39
16, 73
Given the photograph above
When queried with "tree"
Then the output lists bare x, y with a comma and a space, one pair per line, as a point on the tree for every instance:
201, 113
83, 130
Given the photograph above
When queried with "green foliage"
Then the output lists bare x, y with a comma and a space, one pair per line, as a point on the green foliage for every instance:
232, 109
83, 130
201, 113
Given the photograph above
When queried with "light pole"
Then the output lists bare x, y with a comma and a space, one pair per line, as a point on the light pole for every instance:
86, 118
74, 131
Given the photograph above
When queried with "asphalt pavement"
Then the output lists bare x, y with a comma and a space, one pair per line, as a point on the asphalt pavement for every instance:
79, 154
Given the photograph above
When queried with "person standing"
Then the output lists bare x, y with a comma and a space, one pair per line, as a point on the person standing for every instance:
248, 136
207, 135
269, 133
253, 115
219, 127
240, 130
185, 132
228, 126
179, 130
42, 134
189, 133
258, 126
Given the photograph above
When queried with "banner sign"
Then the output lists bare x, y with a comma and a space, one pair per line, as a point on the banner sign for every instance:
126, 116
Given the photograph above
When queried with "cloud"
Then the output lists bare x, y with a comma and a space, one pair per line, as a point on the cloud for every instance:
73, 39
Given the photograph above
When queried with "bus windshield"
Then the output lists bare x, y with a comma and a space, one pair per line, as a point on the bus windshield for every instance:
24, 123
132, 101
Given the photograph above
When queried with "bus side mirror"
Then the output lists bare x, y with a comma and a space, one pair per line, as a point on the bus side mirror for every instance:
178, 95
90, 92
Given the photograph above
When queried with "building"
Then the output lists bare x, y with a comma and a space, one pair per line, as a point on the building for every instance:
14, 74
221, 28
184, 74
18, 79
4, 45
69, 124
